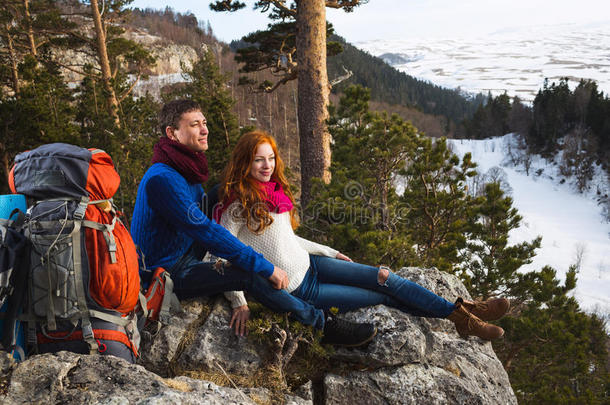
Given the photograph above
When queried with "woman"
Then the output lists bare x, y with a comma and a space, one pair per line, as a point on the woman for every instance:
258, 207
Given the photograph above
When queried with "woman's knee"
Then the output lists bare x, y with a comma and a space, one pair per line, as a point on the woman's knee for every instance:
382, 275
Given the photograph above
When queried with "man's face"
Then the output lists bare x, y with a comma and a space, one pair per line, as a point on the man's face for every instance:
192, 131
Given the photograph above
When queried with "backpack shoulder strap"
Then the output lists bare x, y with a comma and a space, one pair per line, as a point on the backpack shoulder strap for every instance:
170, 300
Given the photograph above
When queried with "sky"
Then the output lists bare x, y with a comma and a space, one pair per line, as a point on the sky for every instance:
400, 19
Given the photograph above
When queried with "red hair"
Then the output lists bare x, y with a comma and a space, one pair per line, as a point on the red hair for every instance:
238, 183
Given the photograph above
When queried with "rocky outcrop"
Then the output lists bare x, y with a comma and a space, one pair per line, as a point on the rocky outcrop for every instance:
411, 360
199, 339
421, 360
68, 378
171, 61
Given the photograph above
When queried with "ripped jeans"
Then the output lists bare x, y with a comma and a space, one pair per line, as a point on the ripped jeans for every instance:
346, 285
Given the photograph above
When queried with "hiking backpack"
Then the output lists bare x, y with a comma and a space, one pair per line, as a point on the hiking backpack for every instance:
83, 280
14, 265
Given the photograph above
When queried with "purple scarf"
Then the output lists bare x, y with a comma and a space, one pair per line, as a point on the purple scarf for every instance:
193, 166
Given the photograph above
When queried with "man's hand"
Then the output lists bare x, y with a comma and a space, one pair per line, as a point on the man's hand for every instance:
279, 279
341, 256
240, 320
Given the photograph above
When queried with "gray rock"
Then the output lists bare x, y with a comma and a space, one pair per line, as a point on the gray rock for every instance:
7, 363
414, 384
305, 391
158, 351
420, 360
215, 345
296, 400
402, 338
69, 378
200, 341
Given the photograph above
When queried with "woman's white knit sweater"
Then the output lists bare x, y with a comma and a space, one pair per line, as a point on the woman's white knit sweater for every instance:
278, 244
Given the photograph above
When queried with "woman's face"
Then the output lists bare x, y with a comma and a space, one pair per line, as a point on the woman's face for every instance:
263, 164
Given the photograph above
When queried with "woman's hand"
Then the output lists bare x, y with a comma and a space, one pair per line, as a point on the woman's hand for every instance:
341, 256
239, 319
279, 279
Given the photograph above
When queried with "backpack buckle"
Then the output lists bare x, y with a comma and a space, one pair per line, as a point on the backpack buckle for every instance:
87, 332
79, 213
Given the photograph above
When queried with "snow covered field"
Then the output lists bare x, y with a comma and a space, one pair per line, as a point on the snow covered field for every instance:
566, 220
516, 61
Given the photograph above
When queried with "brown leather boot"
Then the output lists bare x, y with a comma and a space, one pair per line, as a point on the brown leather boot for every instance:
468, 324
489, 310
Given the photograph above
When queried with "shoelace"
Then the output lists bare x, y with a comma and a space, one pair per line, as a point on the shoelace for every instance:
474, 321
342, 325
481, 305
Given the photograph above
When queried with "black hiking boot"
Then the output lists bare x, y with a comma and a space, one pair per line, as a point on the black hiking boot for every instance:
340, 332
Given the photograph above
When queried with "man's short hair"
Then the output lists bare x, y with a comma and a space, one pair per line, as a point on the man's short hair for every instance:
172, 112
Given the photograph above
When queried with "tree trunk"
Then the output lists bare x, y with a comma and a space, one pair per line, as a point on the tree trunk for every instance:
313, 94
102, 53
28, 19
13, 58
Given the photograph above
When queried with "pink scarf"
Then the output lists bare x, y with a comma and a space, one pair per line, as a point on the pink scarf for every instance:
277, 201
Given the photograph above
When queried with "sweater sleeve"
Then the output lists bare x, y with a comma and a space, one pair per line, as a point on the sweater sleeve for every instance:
176, 205
237, 298
314, 248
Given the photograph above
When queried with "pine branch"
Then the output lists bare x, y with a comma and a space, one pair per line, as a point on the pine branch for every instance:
280, 4
347, 5
72, 69
133, 85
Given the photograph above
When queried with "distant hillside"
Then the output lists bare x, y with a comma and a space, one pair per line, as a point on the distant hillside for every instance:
435, 110
393, 87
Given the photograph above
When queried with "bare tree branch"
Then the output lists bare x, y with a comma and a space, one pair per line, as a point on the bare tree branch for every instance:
347, 75
284, 80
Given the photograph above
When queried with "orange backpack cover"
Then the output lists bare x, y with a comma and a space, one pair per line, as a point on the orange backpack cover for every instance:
114, 281
112, 285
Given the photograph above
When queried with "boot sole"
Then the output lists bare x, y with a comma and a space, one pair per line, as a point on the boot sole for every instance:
355, 344
465, 337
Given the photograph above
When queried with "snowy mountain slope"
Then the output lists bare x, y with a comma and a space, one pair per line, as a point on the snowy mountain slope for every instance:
516, 61
566, 220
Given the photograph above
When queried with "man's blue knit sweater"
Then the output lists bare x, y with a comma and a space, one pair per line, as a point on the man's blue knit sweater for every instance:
168, 218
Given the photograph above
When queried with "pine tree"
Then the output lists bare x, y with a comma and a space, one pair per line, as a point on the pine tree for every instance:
488, 264
41, 112
34, 99
551, 111
554, 353
436, 195
359, 212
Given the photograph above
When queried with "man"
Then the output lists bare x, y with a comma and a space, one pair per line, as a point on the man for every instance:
170, 227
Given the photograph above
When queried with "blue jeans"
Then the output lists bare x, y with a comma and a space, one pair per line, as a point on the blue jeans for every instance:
347, 285
194, 278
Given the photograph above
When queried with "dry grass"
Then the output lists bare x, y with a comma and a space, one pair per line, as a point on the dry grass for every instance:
177, 385
264, 378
